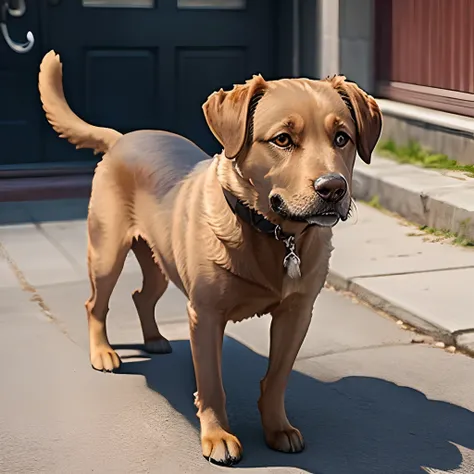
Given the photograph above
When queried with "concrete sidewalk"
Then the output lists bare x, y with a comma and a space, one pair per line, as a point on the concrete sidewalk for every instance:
377, 257
367, 399
398, 269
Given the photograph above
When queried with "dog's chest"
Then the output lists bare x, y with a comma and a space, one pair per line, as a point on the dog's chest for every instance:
290, 286
264, 282
262, 297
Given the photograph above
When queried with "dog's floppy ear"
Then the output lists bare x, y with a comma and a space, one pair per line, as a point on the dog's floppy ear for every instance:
364, 111
227, 114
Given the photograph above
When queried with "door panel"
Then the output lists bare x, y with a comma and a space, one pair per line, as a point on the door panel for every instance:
119, 3
131, 68
215, 4
120, 87
20, 106
217, 68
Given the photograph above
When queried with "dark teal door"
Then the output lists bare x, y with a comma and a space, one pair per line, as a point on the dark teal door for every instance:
131, 64
20, 108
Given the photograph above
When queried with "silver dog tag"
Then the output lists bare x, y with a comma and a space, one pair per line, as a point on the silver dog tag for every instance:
291, 261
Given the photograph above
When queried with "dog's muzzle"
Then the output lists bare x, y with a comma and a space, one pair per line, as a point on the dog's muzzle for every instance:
331, 203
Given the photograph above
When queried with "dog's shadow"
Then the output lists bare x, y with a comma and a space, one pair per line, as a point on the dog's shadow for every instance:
357, 425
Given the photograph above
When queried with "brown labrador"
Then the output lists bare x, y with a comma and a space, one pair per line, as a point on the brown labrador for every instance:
245, 233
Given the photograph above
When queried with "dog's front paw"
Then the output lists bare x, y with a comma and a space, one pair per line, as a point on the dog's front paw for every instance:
104, 359
221, 447
288, 440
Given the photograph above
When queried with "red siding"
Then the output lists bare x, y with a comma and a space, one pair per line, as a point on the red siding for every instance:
427, 44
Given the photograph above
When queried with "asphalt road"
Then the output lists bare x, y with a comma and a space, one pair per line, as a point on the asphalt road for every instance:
366, 399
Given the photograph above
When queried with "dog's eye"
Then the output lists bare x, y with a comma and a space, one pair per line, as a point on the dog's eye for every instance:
341, 139
283, 140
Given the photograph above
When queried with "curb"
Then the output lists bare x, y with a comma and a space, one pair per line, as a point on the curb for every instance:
462, 340
422, 196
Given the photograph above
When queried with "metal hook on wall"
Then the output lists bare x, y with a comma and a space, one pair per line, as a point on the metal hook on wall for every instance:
16, 10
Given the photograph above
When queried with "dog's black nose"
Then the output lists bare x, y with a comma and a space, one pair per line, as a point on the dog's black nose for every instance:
331, 187
276, 202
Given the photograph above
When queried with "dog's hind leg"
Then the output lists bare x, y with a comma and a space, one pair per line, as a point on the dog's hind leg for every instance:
104, 272
154, 285
108, 246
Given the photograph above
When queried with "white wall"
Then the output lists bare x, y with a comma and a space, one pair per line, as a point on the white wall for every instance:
345, 40
328, 26
356, 37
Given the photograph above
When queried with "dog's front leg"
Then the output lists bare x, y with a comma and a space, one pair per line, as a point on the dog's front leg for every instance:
207, 332
288, 329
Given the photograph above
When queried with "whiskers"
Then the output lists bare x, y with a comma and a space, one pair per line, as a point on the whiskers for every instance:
353, 213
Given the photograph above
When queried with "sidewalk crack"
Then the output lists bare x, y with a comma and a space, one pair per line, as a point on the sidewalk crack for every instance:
413, 272
460, 332
35, 295
356, 349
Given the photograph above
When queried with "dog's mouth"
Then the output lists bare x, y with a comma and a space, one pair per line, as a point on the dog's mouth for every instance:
325, 214
325, 219
321, 219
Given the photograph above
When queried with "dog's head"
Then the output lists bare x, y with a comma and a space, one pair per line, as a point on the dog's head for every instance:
295, 142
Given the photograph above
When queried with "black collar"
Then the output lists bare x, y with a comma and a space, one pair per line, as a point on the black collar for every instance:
253, 218
291, 261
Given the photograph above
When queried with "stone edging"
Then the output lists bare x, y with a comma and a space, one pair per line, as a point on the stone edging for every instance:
422, 196
463, 340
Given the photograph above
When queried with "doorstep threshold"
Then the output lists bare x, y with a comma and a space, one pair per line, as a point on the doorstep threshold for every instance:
32, 170
45, 187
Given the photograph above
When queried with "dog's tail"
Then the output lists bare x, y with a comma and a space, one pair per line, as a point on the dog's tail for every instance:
62, 118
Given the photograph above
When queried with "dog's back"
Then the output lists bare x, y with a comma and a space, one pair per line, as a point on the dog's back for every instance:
158, 160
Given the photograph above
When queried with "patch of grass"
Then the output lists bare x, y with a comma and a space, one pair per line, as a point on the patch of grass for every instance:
375, 203
415, 154
463, 241
438, 234
455, 238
